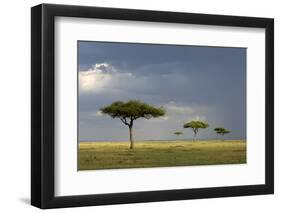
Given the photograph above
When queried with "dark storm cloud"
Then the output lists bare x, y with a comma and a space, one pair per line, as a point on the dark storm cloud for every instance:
190, 82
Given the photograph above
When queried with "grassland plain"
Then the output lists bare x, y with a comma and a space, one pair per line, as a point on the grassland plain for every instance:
116, 155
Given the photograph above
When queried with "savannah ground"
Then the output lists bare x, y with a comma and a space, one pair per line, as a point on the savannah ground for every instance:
113, 155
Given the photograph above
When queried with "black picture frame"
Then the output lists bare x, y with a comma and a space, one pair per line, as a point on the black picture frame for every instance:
43, 102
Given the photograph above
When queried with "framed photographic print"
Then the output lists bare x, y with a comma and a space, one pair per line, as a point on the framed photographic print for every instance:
139, 106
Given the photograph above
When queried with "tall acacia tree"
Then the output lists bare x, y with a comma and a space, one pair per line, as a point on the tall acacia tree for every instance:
195, 126
221, 131
130, 111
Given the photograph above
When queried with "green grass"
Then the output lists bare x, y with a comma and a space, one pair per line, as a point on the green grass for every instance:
113, 155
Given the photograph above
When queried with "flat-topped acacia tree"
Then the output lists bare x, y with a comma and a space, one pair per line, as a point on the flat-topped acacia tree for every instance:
221, 131
218, 130
130, 111
195, 126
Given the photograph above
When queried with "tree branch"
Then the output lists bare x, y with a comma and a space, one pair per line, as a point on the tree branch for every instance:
135, 117
124, 120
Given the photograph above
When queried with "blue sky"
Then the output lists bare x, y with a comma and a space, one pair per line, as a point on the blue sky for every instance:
190, 82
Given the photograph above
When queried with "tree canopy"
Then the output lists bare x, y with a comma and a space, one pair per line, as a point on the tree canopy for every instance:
218, 130
132, 110
221, 131
178, 133
196, 125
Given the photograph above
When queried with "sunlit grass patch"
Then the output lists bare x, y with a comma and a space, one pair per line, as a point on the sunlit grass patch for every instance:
113, 155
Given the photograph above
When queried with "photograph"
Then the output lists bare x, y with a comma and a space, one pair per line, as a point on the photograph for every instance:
146, 105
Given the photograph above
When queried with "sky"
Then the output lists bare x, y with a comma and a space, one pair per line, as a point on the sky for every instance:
190, 82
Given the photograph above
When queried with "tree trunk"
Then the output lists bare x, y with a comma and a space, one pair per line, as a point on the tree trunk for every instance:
131, 137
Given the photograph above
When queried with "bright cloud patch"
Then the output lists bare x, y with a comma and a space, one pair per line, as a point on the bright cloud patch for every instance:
101, 77
97, 113
104, 78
